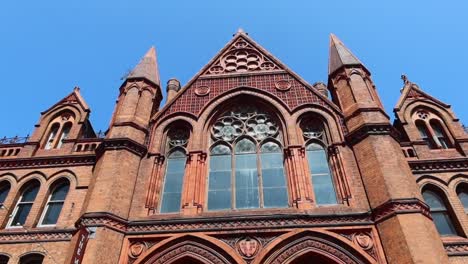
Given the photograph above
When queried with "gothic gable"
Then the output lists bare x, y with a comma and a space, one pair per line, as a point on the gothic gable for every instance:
243, 64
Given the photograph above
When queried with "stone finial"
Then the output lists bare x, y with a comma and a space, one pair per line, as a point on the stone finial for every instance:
240, 31
405, 79
76, 89
321, 88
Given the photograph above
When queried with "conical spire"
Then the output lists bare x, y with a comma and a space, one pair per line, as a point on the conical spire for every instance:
340, 56
147, 68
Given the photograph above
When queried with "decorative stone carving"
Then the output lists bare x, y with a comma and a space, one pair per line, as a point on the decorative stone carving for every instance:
283, 85
247, 247
136, 249
363, 240
202, 90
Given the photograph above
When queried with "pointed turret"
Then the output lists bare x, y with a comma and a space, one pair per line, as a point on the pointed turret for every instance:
147, 68
341, 56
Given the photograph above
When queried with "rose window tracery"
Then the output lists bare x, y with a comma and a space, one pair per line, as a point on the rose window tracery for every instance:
245, 121
178, 137
312, 129
422, 114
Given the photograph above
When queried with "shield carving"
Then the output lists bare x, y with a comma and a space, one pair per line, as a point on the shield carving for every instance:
363, 241
248, 247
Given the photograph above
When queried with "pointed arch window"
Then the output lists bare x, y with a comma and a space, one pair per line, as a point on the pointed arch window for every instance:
52, 136
246, 162
55, 202
462, 192
33, 258
24, 205
59, 130
4, 190
439, 134
439, 212
64, 135
175, 169
314, 135
424, 133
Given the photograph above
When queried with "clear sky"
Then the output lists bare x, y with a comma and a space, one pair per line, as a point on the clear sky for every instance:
48, 47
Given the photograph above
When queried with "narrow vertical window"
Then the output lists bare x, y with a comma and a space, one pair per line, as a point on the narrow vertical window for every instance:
54, 204
24, 204
247, 194
462, 193
275, 192
64, 134
52, 135
440, 136
177, 140
320, 174
220, 177
439, 213
4, 190
424, 133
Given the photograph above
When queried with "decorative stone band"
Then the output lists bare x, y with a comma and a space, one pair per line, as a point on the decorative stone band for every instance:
442, 165
7, 237
456, 248
42, 162
364, 131
249, 222
400, 206
121, 143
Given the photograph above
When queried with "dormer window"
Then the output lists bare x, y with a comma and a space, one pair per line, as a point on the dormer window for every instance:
431, 130
59, 130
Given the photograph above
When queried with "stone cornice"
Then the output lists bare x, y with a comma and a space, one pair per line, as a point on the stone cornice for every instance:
44, 162
440, 165
364, 131
400, 206
121, 143
199, 224
7, 237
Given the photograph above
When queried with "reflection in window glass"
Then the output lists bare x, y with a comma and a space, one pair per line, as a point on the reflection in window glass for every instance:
55, 204
24, 205
275, 192
439, 134
463, 196
219, 183
172, 189
321, 178
4, 190
246, 175
439, 213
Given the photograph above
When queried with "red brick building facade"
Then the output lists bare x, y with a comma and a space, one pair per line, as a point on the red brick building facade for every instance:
247, 163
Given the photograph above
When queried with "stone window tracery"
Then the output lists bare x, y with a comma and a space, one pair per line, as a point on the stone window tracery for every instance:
246, 161
431, 129
177, 140
315, 139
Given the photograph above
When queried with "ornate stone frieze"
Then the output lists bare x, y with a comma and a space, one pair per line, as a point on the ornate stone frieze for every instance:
443, 165
36, 236
400, 206
43, 162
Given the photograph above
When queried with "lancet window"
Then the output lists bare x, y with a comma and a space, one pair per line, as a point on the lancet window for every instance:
176, 156
246, 161
24, 204
439, 212
431, 130
59, 130
55, 203
462, 192
315, 139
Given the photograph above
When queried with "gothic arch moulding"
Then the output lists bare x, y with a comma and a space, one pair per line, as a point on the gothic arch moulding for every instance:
324, 247
188, 247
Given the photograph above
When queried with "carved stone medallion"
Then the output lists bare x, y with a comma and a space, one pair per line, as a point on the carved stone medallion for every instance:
136, 249
283, 85
363, 240
248, 247
202, 90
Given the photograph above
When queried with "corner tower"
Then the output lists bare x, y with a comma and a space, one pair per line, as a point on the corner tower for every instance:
408, 236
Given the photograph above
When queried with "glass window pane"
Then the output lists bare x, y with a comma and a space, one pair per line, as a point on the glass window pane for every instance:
246, 181
60, 192
443, 223
173, 185
4, 191
433, 200
322, 181
323, 188
52, 214
245, 146
30, 193
219, 186
271, 147
220, 150
274, 181
463, 196
21, 214
4, 259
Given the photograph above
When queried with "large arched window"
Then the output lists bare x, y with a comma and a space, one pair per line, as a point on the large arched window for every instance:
246, 162
462, 192
314, 135
177, 139
4, 190
439, 212
24, 204
55, 203
33, 258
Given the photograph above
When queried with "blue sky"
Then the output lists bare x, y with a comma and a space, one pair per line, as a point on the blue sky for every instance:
48, 47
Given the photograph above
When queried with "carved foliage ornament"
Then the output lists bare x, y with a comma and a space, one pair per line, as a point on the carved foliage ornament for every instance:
241, 57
